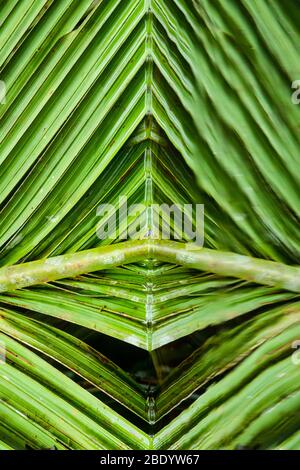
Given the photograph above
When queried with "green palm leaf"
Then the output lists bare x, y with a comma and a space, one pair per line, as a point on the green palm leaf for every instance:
149, 344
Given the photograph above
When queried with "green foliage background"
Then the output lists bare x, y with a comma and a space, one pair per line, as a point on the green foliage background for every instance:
161, 101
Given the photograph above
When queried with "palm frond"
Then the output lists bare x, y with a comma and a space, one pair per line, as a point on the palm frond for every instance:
142, 344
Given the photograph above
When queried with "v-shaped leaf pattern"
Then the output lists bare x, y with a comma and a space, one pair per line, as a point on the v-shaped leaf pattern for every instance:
161, 102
